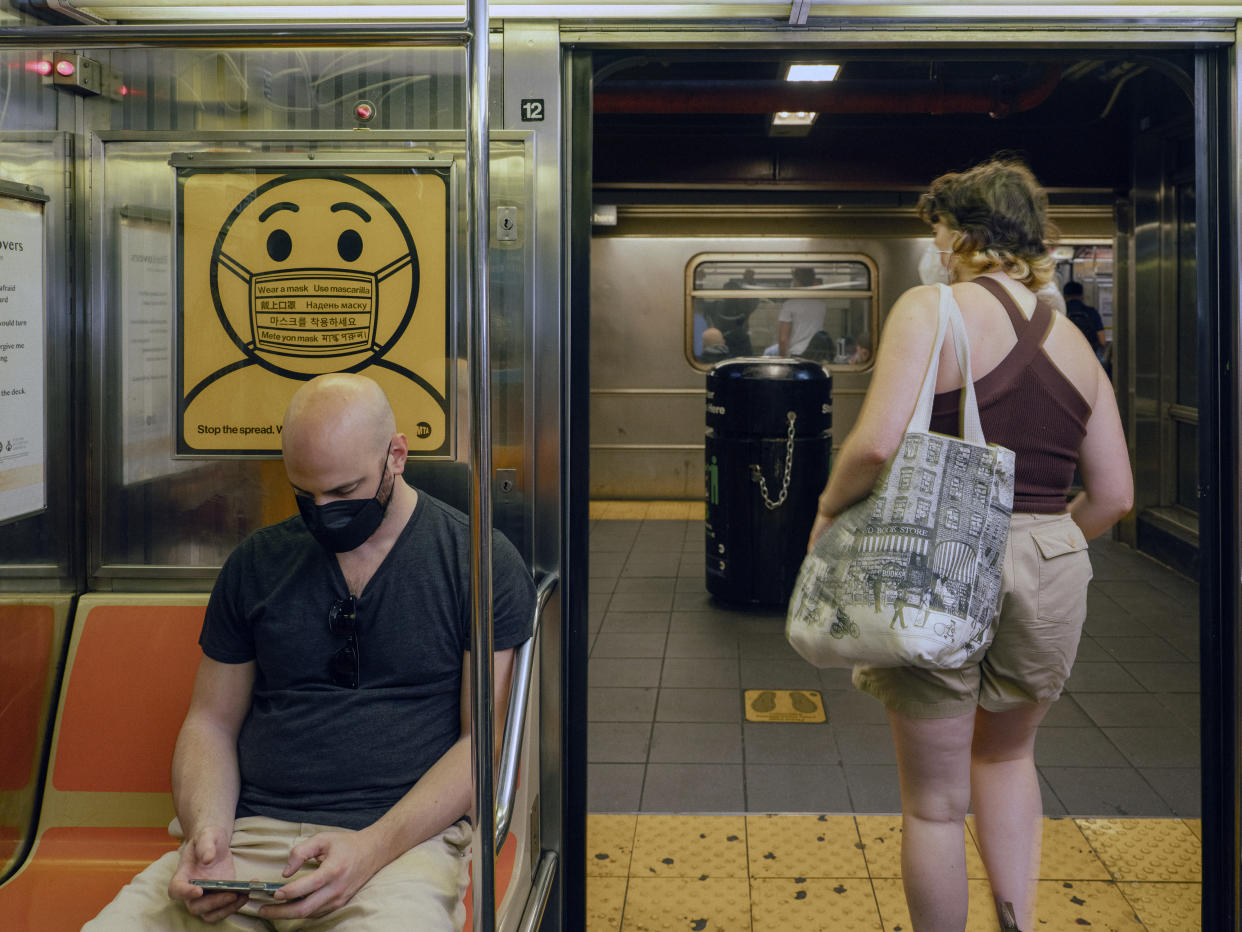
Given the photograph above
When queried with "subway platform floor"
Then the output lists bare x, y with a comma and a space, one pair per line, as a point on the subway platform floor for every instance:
670, 745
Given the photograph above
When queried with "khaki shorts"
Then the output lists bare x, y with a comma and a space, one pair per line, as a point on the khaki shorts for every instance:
421, 890
1042, 609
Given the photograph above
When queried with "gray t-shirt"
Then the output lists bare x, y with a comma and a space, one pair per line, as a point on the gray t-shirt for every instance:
310, 751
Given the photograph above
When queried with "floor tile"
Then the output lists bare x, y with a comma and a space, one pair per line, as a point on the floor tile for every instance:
1065, 853
690, 672
699, 705
1089, 904
614, 787
700, 645
605, 901
865, 744
1166, 907
660, 584
628, 645
767, 647
781, 743
624, 671
1104, 791
820, 845
1166, 677
1156, 747
1184, 708
659, 904
651, 565
1100, 678
610, 842
1090, 651
851, 707
1075, 747
873, 787
618, 742
619, 704
635, 623
1148, 649
694, 743
689, 846
1122, 709
813, 905
795, 788
763, 673
1145, 849
685, 788
1179, 787
640, 602
1067, 712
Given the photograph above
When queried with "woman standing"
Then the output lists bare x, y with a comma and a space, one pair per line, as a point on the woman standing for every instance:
969, 734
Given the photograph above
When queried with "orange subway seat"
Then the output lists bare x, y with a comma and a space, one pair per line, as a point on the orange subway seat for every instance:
33, 627
107, 802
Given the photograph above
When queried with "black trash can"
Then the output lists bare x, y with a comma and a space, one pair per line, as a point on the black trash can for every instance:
769, 436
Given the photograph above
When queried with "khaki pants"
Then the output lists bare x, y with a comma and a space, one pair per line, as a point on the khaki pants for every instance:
421, 890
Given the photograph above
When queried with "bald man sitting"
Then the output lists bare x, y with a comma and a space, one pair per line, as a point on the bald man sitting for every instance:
328, 737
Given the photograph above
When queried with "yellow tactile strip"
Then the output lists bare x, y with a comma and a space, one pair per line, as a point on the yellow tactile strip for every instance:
803, 873
647, 511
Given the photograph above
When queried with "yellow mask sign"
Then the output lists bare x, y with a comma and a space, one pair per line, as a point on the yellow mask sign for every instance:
283, 276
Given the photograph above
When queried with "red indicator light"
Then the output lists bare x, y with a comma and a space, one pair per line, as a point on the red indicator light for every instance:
42, 67
123, 90
364, 111
64, 68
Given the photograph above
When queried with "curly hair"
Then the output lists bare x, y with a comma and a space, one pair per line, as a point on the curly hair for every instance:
998, 214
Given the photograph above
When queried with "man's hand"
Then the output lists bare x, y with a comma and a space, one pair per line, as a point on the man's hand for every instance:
206, 856
346, 862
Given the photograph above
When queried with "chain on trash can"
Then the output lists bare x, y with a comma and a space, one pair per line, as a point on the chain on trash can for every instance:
769, 427
756, 471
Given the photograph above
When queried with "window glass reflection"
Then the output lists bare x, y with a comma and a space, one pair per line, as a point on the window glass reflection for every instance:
814, 307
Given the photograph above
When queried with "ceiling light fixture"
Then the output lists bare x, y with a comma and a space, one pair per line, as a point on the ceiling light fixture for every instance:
791, 118
812, 72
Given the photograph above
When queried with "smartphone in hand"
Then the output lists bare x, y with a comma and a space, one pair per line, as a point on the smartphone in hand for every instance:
252, 887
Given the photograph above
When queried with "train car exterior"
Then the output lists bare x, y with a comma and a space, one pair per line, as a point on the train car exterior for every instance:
647, 422
595, 360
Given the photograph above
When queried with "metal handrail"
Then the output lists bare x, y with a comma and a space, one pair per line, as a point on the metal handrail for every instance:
540, 888
482, 698
515, 720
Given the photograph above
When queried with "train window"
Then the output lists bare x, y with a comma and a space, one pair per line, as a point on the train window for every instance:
815, 306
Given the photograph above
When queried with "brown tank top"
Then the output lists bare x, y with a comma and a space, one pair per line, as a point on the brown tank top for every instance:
1027, 405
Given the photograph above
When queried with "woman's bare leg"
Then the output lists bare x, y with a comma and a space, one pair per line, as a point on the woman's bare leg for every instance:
1008, 808
933, 757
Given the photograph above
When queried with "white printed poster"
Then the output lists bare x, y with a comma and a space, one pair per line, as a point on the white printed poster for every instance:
23, 488
146, 349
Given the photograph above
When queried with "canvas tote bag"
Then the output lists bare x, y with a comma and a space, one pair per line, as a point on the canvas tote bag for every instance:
910, 575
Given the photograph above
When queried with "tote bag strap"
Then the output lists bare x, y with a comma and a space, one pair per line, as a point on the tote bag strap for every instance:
920, 420
949, 319
971, 426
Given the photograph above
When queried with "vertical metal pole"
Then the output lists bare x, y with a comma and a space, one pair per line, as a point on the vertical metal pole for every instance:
482, 742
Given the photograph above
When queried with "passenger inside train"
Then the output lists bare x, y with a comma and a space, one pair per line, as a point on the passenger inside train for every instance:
333, 759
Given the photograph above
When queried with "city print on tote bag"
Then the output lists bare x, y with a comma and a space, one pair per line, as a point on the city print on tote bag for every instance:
911, 575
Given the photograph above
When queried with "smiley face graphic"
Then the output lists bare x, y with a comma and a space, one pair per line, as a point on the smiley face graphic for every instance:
314, 272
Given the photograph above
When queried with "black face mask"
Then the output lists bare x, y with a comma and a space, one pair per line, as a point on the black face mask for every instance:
345, 525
